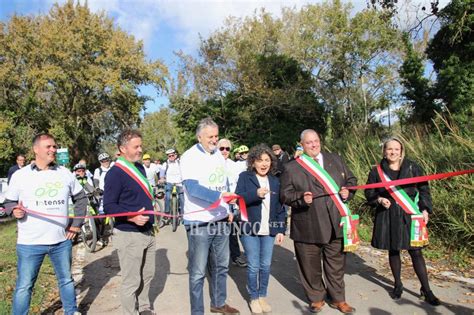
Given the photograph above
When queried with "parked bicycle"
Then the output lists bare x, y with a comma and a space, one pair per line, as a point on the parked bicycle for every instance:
95, 231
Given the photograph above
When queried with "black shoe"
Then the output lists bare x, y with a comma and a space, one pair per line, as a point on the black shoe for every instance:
429, 297
397, 292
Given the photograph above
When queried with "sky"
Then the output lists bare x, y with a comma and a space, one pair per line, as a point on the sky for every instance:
166, 26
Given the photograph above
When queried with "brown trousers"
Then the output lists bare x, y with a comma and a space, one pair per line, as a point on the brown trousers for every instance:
309, 257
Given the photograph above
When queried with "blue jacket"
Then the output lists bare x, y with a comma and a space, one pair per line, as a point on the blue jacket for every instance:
247, 186
123, 194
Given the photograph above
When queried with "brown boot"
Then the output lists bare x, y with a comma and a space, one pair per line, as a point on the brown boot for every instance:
226, 310
343, 307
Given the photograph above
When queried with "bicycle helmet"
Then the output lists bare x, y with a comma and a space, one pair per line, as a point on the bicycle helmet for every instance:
243, 148
79, 166
146, 156
170, 151
103, 156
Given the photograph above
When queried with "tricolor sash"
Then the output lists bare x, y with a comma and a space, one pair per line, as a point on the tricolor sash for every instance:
132, 171
349, 222
418, 230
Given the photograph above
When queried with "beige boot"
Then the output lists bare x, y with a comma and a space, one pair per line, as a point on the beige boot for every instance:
255, 307
266, 308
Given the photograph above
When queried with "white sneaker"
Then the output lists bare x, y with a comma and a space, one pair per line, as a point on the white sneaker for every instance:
255, 307
266, 308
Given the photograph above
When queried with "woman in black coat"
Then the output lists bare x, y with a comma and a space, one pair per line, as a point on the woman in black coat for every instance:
392, 224
266, 222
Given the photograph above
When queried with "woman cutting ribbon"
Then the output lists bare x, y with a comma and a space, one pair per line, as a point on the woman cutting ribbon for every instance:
401, 215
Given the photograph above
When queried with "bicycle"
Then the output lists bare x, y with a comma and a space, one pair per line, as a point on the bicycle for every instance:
159, 195
174, 208
93, 229
89, 228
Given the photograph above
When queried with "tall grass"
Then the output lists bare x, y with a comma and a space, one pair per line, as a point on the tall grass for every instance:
442, 148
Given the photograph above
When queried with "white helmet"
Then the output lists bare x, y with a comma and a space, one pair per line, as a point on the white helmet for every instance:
103, 156
170, 151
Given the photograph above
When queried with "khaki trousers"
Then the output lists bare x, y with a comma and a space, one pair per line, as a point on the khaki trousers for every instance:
136, 252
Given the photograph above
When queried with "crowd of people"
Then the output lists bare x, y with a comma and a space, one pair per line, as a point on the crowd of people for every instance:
271, 183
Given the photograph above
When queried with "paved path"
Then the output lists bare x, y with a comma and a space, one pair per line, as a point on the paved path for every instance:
368, 283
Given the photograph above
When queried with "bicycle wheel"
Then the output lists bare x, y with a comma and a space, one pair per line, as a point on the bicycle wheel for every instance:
174, 212
89, 234
159, 219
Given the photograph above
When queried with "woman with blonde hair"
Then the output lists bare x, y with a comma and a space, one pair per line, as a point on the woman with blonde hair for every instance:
401, 215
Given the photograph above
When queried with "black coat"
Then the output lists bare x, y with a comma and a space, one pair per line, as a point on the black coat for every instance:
392, 226
318, 222
247, 186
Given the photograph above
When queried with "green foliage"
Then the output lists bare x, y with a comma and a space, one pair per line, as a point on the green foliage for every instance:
452, 51
288, 99
159, 133
74, 74
316, 67
417, 90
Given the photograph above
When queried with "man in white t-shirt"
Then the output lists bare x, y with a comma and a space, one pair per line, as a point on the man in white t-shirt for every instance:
170, 174
205, 181
151, 169
44, 187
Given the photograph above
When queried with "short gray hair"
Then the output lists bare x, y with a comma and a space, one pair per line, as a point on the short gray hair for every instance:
306, 131
206, 122
221, 141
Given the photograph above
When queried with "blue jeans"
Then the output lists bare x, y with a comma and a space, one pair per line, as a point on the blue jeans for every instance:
30, 259
259, 250
208, 244
168, 188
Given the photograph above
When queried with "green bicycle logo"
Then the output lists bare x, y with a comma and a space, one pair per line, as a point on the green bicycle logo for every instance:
50, 190
218, 176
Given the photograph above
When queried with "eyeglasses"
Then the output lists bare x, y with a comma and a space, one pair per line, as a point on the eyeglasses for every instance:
224, 148
105, 160
171, 155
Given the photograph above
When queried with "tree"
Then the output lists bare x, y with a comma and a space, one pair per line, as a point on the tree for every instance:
417, 89
352, 62
452, 51
274, 114
159, 133
74, 74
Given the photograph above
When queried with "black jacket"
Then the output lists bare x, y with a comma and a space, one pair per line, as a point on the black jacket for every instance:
392, 226
247, 186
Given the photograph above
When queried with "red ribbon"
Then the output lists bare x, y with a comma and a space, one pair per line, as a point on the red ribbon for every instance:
227, 199
412, 180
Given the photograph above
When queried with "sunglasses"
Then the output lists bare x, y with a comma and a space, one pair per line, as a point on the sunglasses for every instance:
105, 160
224, 148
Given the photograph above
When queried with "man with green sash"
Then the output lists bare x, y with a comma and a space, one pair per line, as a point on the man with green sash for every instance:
128, 190
322, 227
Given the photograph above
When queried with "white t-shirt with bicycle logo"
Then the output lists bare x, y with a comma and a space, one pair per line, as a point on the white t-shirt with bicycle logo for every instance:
209, 171
48, 192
